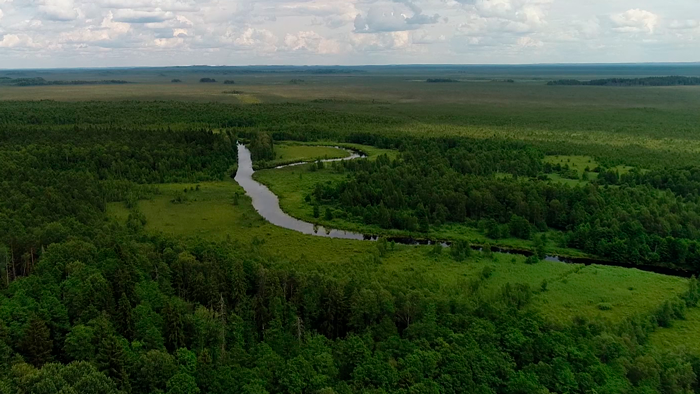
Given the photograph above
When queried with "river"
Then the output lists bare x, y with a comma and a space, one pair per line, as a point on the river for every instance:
267, 205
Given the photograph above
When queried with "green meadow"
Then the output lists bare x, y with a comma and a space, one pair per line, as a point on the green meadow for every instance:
214, 212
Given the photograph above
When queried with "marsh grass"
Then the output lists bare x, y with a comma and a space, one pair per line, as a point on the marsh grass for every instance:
572, 290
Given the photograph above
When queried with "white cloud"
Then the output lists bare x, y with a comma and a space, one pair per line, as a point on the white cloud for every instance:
392, 18
259, 39
312, 42
684, 24
390, 41
16, 41
159, 32
137, 16
529, 42
635, 21
58, 10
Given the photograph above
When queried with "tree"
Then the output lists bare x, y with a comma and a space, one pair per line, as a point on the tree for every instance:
460, 250
79, 343
541, 246
328, 215
519, 227
37, 344
182, 383
124, 319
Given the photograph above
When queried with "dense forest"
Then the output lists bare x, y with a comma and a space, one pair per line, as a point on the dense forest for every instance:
89, 305
650, 81
649, 218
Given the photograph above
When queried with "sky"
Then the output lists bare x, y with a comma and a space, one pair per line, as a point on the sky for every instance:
116, 33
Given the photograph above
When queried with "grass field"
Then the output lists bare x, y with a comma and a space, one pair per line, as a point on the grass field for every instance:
287, 153
684, 334
572, 290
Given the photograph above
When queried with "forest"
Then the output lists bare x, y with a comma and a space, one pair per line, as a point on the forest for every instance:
91, 304
649, 81
39, 81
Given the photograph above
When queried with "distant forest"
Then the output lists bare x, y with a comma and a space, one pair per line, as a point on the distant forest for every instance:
650, 81
440, 80
38, 81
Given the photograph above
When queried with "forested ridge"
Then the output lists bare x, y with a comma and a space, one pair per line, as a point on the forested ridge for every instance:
89, 305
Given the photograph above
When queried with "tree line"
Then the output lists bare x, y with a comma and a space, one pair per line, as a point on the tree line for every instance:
649, 81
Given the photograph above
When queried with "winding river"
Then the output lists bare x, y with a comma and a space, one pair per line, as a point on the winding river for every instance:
268, 206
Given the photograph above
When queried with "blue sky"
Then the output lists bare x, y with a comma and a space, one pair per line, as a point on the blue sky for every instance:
99, 33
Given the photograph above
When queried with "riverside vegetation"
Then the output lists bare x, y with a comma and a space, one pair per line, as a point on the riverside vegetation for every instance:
132, 262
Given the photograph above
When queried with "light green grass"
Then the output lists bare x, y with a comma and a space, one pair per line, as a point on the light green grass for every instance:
684, 334
286, 153
371, 151
573, 289
581, 164
628, 291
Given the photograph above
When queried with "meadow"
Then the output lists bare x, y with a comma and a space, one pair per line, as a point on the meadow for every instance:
214, 212
684, 335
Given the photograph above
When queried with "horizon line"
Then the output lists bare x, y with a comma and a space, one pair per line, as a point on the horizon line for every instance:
359, 65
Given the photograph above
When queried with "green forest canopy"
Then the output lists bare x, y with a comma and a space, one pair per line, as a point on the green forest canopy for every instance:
91, 306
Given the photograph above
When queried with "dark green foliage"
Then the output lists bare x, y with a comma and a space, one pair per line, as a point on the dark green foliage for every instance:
207, 80
262, 147
36, 342
229, 82
176, 81
446, 181
532, 260
460, 250
440, 80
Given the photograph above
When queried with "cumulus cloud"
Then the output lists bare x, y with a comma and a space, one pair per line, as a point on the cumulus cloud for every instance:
393, 18
635, 21
37, 32
58, 10
260, 39
16, 41
424, 38
390, 41
312, 42
136, 16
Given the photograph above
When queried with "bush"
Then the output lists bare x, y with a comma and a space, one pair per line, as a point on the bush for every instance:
605, 306
207, 80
